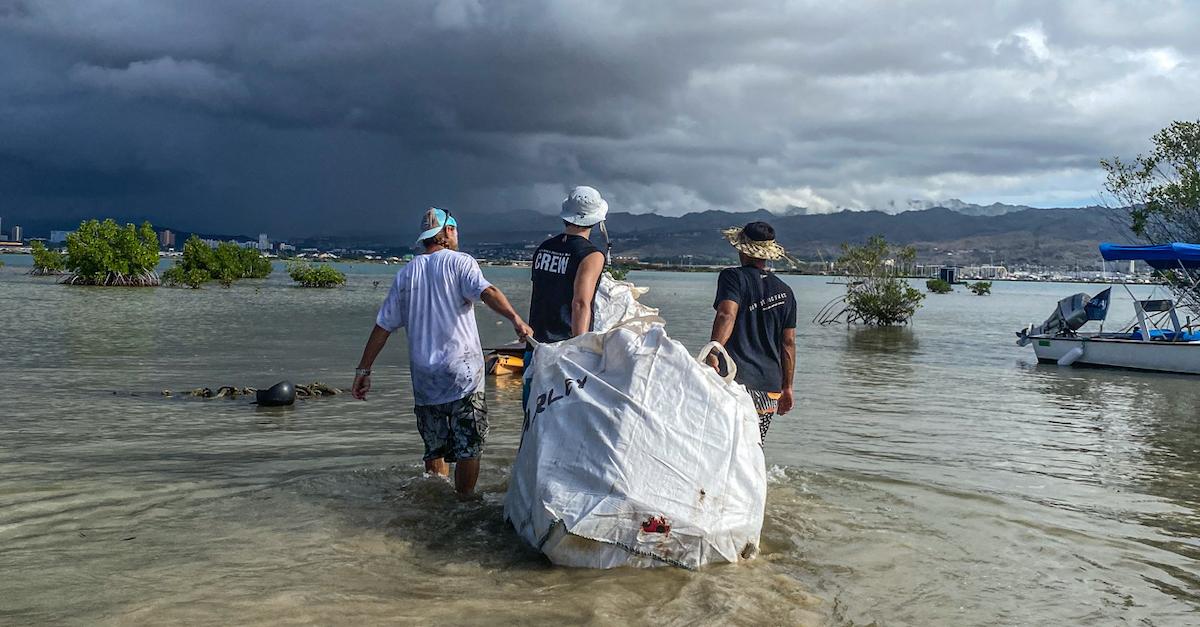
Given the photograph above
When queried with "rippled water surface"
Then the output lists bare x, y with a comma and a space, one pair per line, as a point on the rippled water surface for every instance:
930, 475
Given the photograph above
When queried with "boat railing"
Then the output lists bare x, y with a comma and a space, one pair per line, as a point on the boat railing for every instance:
1153, 317
1184, 283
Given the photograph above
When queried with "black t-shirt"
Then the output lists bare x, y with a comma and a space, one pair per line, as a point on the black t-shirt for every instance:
766, 306
555, 264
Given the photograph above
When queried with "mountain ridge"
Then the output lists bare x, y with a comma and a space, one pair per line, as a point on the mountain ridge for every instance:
1010, 233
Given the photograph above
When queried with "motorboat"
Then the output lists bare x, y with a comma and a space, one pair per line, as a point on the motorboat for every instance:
1157, 339
499, 364
506, 360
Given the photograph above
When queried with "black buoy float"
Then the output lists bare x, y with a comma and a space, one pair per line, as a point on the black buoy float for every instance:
278, 395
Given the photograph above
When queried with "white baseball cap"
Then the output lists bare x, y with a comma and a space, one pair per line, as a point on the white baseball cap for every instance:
584, 207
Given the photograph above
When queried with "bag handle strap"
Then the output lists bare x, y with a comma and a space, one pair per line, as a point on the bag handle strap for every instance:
630, 322
651, 319
730, 367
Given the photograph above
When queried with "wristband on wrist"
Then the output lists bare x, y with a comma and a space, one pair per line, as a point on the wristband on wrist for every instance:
362, 372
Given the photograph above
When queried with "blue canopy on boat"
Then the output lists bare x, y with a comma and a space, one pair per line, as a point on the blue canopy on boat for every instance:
1161, 257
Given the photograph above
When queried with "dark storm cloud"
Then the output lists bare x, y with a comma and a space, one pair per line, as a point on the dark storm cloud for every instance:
318, 115
167, 79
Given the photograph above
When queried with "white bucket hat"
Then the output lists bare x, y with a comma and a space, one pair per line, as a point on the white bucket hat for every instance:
584, 207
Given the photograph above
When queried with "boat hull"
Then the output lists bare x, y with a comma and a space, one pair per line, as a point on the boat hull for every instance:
505, 365
1181, 357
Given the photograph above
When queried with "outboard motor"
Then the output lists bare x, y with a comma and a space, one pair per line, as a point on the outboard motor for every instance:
278, 395
1070, 314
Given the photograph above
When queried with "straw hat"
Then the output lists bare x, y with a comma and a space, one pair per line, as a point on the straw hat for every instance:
756, 240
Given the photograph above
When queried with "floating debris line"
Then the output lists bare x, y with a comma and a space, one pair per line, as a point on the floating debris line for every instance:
312, 390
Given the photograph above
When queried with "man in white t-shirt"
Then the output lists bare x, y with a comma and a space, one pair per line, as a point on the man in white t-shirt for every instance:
433, 298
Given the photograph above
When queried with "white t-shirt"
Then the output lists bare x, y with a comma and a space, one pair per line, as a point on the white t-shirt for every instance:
433, 298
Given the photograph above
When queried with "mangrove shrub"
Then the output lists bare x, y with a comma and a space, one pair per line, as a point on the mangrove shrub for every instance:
981, 288
309, 275
939, 286
46, 261
105, 253
176, 275
876, 292
618, 273
225, 264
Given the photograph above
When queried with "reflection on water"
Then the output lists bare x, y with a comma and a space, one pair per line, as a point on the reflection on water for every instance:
931, 474
878, 358
883, 340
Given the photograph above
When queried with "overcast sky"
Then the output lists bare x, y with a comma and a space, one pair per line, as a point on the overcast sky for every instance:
331, 115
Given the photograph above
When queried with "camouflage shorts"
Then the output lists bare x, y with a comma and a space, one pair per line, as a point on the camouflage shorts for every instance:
453, 431
766, 403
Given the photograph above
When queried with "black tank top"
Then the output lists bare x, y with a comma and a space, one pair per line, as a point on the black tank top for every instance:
555, 264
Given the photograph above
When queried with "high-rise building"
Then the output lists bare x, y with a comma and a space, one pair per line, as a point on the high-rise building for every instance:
16, 234
264, 244
166, 238
58, 237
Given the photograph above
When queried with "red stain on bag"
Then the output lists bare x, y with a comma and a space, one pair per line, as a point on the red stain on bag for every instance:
656, 524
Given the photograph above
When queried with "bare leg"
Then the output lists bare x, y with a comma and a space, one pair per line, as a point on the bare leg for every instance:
437, 467
466, 473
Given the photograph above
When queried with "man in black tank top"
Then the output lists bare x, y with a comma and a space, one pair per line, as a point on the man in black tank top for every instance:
566, 272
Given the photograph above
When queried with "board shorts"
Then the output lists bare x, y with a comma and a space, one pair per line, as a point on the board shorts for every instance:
766, 403
454, 431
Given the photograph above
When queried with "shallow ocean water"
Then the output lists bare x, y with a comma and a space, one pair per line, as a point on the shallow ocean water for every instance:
933, 474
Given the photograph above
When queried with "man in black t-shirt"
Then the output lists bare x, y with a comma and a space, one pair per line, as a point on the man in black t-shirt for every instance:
756, 321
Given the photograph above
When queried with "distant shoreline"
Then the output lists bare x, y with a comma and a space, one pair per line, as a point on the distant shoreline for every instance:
652, 267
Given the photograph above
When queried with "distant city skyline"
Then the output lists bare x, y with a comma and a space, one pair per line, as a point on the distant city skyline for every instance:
304, 118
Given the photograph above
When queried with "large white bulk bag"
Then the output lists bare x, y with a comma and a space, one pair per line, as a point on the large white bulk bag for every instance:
615, 302
635, 453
